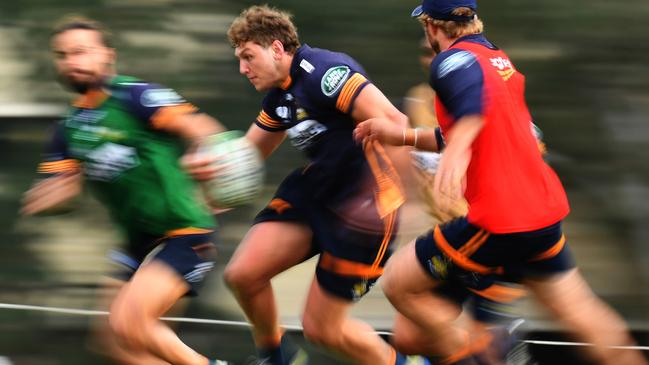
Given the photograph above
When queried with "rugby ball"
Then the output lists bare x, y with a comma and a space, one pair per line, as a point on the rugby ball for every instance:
240, 166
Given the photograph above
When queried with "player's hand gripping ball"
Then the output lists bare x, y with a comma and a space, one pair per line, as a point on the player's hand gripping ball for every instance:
240, 170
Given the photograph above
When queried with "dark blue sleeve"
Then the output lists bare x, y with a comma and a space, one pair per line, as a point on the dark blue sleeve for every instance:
148, 101
458, 80
56, 158
56, 148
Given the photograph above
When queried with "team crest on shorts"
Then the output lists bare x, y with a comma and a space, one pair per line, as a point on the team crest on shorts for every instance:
438, 266
361, 288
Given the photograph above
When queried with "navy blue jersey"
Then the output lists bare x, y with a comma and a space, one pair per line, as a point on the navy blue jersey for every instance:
314, 108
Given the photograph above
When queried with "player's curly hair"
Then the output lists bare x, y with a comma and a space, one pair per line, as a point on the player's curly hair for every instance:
75, 21
263, 24
454, 29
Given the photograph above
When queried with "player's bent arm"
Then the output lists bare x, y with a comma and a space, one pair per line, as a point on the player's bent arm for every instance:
387, 132
52, 195
371, 103
193, 126
265, 141
464, 131
379, 118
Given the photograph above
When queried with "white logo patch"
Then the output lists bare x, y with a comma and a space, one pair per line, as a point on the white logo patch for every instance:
282, 112
333, 79
109, 161
308, 67
454, 62
152, 98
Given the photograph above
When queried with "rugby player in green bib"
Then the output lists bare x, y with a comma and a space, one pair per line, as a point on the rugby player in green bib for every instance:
125, 138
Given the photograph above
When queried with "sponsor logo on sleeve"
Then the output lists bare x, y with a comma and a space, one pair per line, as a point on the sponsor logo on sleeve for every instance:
454, 62
334, 79
153, 98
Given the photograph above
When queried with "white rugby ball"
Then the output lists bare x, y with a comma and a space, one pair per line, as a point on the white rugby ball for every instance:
241, 170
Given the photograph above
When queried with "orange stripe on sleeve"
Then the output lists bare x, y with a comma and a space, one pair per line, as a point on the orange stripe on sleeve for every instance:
166, 114
265, 119
56, 167
348, 91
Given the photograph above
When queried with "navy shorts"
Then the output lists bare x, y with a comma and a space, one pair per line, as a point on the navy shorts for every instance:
192, 256
351, 259
469, 256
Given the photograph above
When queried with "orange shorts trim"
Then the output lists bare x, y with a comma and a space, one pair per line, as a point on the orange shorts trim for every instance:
187, 230
348, 268
552, 251
459, 258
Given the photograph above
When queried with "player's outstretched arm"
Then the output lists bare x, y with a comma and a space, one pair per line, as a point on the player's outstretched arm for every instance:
385, 131
52, 195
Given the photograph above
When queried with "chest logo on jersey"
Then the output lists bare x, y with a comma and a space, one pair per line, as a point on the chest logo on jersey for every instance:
305, 134
333, 79
504, 66
89, 116
109, 161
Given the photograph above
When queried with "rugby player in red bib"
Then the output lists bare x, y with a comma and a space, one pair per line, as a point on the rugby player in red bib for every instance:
516, 201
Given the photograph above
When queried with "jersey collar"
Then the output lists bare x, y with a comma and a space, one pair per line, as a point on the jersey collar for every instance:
295, 66
91, 99
475, 38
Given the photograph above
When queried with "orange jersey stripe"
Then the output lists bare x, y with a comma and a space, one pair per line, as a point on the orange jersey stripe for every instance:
166, 114
347, 267
389, 228
91, 99
349, 90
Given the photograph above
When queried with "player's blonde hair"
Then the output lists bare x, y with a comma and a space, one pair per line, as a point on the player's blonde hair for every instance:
454, 29
76, 21
262, 24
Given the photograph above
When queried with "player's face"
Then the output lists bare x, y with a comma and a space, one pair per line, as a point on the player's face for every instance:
432, 33
259, 65
81, 59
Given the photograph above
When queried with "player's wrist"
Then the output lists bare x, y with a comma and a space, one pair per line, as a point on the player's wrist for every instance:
410, 137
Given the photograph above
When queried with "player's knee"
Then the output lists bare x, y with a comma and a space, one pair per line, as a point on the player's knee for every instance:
405, 344
128, 327
240, 278
320, 333
391, 289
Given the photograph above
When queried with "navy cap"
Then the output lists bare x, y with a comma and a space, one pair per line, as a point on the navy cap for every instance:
442, 9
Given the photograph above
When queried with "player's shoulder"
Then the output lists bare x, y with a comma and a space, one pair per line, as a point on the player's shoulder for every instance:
133, 90
326, 69
450, 60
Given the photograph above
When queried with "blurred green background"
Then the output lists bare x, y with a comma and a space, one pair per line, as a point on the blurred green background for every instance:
588, 89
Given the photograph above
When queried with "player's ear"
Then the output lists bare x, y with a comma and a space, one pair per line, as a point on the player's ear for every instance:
277, 48
112, 55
